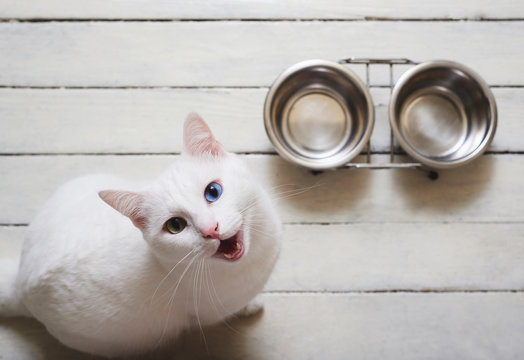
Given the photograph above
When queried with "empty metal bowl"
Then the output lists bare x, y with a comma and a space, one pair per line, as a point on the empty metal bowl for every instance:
318, 114
442, 114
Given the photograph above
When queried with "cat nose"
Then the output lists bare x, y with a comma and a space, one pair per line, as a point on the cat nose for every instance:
211, 232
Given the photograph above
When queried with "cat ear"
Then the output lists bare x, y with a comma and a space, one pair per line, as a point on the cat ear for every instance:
127, 203
198, 139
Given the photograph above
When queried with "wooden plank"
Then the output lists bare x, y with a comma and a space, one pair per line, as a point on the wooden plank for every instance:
126, 121
387, 257
510, 107
310, 326
403, 326
11, 240
487, 190
238, 53
258, 9
19, 169
384, 257
150, 120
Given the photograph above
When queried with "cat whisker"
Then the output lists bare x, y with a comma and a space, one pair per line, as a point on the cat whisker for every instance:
291, 190
170, 303
294, 192
272, 191
197, 292
169, 273
209, 279
282, 195
214, 292
281, 185
260, 231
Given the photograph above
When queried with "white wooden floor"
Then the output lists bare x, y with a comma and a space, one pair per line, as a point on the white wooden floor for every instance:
376, 264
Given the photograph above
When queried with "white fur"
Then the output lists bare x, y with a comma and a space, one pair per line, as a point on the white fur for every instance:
104, 286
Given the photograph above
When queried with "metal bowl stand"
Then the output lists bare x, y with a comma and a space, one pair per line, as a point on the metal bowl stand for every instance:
432, 174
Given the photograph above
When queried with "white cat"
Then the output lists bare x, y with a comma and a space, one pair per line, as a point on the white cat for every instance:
202, 241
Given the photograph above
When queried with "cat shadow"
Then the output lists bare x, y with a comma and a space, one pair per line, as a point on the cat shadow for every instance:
24, 338
322, 193
341, 194
226, 340
452, 190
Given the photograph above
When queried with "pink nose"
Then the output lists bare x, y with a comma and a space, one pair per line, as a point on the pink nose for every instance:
211, 232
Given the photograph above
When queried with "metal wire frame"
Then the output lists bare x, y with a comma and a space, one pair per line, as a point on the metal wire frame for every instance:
392, 164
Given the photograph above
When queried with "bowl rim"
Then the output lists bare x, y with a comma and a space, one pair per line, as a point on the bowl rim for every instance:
317, 164
409, 75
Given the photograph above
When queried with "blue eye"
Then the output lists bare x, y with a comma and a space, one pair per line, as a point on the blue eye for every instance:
213, 192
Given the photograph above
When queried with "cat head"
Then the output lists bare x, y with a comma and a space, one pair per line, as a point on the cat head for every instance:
199, 207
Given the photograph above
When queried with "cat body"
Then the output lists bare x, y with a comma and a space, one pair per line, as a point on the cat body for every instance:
112, 267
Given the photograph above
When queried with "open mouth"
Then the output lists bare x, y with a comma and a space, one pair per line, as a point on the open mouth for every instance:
231, 249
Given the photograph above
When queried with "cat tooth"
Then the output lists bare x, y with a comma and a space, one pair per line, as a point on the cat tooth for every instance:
228, 256
238, 246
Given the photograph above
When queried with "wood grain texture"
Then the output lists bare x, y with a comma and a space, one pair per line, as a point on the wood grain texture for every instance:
238, 53
384, 257
127, 121
149, 120
310, 326
258, 9
487, 190
375, 264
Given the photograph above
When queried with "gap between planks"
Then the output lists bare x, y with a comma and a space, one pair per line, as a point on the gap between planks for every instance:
362, 19
247, 153
215, 88
391, 292
342, 223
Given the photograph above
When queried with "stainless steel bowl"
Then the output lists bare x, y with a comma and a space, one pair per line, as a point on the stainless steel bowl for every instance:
442, 114
318, 114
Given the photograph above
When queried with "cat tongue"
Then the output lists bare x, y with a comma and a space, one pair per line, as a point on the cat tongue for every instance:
231, 249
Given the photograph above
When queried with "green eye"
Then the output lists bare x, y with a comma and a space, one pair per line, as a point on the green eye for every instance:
175, 225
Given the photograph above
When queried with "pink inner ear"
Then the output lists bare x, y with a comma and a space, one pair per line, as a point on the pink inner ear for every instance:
127, 203
198, 139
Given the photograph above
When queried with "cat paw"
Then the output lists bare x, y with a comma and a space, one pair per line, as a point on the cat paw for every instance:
255, 306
